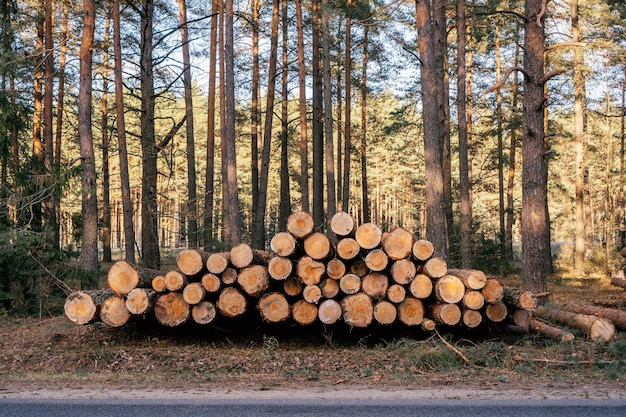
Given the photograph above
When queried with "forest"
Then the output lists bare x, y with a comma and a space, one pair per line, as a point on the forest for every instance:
130, 130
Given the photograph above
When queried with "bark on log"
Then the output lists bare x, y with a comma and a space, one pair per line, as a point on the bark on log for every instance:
283, 244
175, 281
229, 276
217, 263
317, 246
274, 307
385, 312
329, 312
231, 302
335, 268
471, 318
204, 312
396, 293
403, 271
473, 300
618, 279
449, 289
422, 250
243, 255
411, 311
618, 317
158, 283
191, 262
493, 291
496, 312
359, 268
312, 294
81, 307
472, 278
211, 283
421, 287
171, 309
193, 293
541, 327
309, 270
435, 268
524, 300
300, 224
358, 309
124, 277
342, 224
376, 260
599, 329
350, 284
280, 268
398, 243
304, 313
140, 301
375, 285
254, 280
113, 311
329, 288
292, 286
444, 313
368, 236
348, 249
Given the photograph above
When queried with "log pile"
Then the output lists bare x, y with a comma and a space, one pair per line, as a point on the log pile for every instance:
359, 276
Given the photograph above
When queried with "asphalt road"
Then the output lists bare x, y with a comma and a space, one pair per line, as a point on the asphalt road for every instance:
306, 408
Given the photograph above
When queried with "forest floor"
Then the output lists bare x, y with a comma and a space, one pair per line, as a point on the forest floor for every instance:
53, 357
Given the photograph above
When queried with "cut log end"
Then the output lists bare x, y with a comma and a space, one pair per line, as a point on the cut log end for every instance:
122, 277
385, 312
274, 307
231, 302
411, 311
304, 313
113, 311
204, 312
191, 261
171, 309
342, 224
80, 307
423, 250
398, 243
358, 310
283, 244
329, 312
300, 224
368, 236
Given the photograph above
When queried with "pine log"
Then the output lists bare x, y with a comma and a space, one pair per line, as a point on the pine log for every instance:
403, 271
140, 301
618, 279
317, 246
428, 324
124, 277
358, 309
280, 268
496, 312
522, 318
309, 270
300, 224
368, 236
376, 260
329, 287
411, 311
350, 284
175, 281
329, 312
335, 268
449, 289
304, 313
191, 262
171, 309
375, 285
193, 293
342, 224
203, 312
396, 293
618, 317
471, 318
435, 267
599, 329
274, 307
158, 283
421, 287
113, 311
444, 313
359, 268
243, 255
516, 298
493, 291
385, 312
623, 252
422, 250
348, 249
283, 244
292, 286
211, 282
229, 276
254, 280
81, 307
473, 300
473, 279
231, 302
217, 263
541, 327
398, 243
312, 294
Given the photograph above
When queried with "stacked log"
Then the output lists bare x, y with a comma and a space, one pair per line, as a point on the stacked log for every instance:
359, 276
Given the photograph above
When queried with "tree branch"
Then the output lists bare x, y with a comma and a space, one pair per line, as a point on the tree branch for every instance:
502, 81
551, 75
566, 44
171, 134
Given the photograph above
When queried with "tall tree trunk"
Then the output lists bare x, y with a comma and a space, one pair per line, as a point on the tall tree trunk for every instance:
433, 138
89, 249
258, 237
304, 142
510, 214
104, 123
364, 190
348, 111
60, 101
534, 222
210, 136
622, 167
127, 204
51, 223
232, 231
579, 139
38, 157
255, 114
192, 203
331, 198
500, 145
464, 180
285, 196
317, 122
339, 130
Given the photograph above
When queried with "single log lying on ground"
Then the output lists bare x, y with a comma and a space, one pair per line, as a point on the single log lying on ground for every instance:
368, 236
358, 310
348, 249
274, 307
421, 286
216, 263
618, 279
203, 312
81, 307
618, 317
435, 267
304, 313
599, 329
140, 301
171, 309
113, 311
385, 312
524, 300
398, 243
283, 244
403, 271
329, 312
473, 279
422, 250
191, 262
411, 311
300, 224
342, 224
124, 277
231, 302
541, 327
